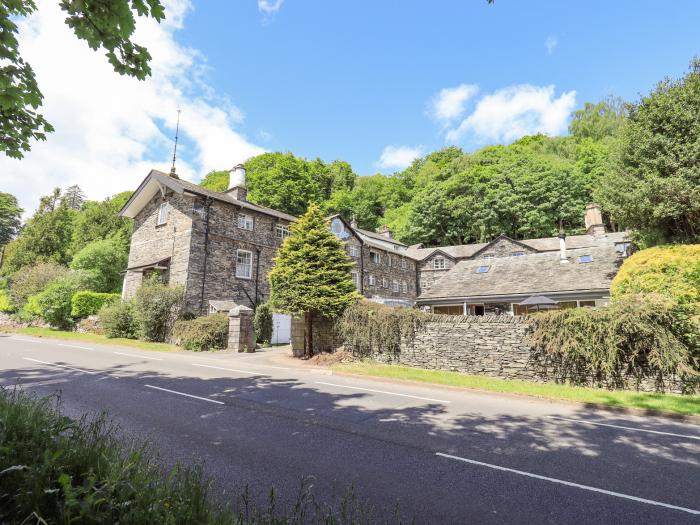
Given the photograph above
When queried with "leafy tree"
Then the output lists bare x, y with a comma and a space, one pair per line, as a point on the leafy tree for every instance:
74, 197
10, 215
32, 280
53, 304
599, 120
655, 188
102, 24
104, 261
101, 220
216, 180
311, 275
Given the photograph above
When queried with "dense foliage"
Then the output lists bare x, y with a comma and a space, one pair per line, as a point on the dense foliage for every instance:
33, 280
209, 332
634, 337
85, 303
105, 261
262, 323
117, 320
156, 308
655, 187
53, 304
10, 215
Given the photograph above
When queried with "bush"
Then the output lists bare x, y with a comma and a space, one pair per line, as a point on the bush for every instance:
86, 303
117, 320
5, 303
202, 333
632, 337
53, 305
262, 323
156, 308
32, 280
104, 260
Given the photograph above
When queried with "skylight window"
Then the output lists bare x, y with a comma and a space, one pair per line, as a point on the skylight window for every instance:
482, 269
585, 258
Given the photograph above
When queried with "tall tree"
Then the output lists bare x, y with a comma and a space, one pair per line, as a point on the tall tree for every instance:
598, 120
106, 24
655, 188
101, 220
74, 197
10, 217
311, 275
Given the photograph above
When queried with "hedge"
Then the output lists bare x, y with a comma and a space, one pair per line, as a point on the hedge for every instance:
202, 333
87, 303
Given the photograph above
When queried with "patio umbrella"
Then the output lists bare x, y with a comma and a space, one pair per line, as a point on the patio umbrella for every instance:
539, 301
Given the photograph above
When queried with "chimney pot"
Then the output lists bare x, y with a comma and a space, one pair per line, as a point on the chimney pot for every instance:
237, 184
563, 259
386, 232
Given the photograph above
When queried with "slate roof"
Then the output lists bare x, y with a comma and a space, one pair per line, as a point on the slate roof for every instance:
537, 273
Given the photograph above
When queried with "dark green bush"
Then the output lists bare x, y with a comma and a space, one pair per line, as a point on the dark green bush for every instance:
202, 333
87, 303
634, 337
117, 320
156, 308
262, 323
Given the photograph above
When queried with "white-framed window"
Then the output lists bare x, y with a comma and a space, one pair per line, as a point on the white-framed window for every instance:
404, 264
388, 261
385, 282
244, 264
404, 287
424, 285
355, 278
163, 214
395, 285
375, 257
439, 263
282, 231
354, 250
372, 280
245, 221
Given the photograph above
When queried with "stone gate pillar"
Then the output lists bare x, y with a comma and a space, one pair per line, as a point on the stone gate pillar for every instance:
241, 335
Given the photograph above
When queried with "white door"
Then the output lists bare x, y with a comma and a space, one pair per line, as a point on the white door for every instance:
281, 329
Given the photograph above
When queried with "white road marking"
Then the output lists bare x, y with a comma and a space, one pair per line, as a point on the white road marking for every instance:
60, 366
383, 392
570, 484
184, 394
29, 340
139, 356
685, 436
231, 369
75, 346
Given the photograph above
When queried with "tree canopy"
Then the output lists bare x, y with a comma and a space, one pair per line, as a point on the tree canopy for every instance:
10, 217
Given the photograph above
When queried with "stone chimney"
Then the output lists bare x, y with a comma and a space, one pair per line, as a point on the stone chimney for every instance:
563, 259
386, 232
594, 220
237, 186
353, 223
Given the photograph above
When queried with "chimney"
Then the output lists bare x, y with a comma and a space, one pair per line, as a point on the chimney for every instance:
353, 223
593, 219
236, 186
562, 248
386, 232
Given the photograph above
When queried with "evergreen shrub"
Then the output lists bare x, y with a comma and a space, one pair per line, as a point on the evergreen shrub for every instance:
204, 333
156, 308
262, 323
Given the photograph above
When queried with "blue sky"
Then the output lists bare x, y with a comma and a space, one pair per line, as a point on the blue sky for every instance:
373, 83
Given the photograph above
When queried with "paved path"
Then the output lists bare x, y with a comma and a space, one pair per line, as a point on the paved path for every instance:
447, 456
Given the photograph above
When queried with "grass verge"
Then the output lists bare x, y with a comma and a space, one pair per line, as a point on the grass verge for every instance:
668, 403
90, 338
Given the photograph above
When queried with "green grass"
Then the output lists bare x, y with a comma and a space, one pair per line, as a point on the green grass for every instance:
670, 403
90, 338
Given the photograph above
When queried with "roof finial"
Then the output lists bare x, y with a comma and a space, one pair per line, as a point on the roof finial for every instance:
177, 133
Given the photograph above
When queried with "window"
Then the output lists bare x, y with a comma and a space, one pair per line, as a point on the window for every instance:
439, 263
245, 221
385, 282
355, 278
198, 209
375, 257
586, 304
388, 261
395, 285
162, 214
404, 287
482, 269
244, 264
424, 285
404, 264
282, 231
354, 250
517, 254
372, 280
585, 258
489, 256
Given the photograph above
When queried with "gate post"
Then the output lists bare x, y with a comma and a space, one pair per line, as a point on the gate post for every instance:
241, 335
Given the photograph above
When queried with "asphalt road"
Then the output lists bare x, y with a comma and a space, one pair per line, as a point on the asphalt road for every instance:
446, 456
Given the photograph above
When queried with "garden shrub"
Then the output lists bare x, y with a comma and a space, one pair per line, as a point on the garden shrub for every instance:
86, 303
5, 303
53, 304
202, 333
104, 261
262, 323
117, 320
32, 280
633, 337
369, 328
156, 308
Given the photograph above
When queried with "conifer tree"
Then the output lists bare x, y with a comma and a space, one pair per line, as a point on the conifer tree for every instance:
311, 275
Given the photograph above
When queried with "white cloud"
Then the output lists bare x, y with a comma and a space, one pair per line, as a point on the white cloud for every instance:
550, 44
449, 103
269, 6
514, 112
109, 127
398, 157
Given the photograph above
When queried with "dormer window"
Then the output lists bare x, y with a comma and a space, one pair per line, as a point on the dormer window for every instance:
245, 221
439, 263
162, 214
483, 269
585, 258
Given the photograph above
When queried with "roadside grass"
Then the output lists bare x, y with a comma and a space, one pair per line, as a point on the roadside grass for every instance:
90, 338
54, 469
669, 403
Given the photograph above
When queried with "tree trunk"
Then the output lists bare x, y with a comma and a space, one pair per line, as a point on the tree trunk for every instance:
308, 336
